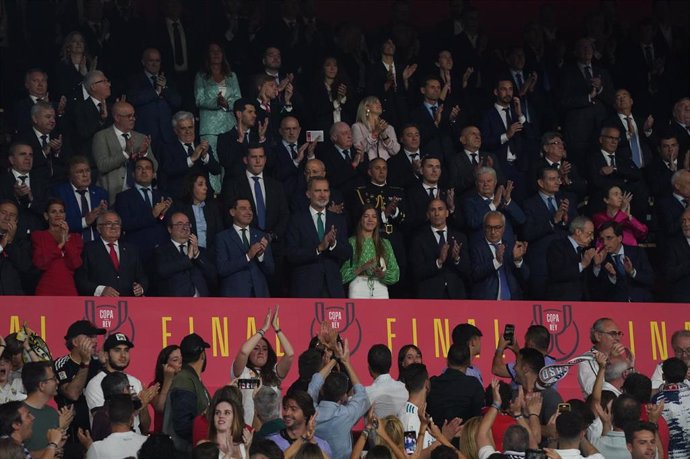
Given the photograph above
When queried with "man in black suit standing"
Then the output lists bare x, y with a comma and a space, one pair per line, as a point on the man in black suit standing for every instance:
625, 274
232, 145
91, 114
181, 265
47, 142
635, 142
269, 204
405, 168
499, 271
36, 84
672, 207
441, 262
665, 163
569, 262
155, 99
548, 214
677, 263
554, 157
317, 246
15, 251
462, 166
586, 92
346, 164
24, 187
184, 157
111, 267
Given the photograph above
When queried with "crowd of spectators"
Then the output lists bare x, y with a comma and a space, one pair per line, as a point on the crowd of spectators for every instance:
259, 151
104, 411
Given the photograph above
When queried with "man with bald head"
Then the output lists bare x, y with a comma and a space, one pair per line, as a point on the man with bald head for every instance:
676, 255
300, 201
116, 148
346, 164
92, 114
155, 98
287, 157
463, 165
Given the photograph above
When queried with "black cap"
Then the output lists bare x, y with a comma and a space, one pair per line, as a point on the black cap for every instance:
116, 339
191, 346
83, 327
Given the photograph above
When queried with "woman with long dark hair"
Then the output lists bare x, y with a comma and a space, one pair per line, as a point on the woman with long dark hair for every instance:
226, 426
168, 364
373, 266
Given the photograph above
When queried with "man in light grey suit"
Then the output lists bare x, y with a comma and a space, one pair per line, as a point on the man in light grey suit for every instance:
116, 148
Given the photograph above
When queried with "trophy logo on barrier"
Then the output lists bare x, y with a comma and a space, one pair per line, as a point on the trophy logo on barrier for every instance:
341, 318
114, 318
565, 335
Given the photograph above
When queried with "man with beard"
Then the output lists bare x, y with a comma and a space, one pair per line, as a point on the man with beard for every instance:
41, 384
117, 348
298, 409
188, 397
640, 438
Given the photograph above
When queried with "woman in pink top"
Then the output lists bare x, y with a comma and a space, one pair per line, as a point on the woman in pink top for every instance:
372, 133
618, 210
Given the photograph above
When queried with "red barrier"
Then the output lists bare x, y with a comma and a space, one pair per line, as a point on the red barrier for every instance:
225, 323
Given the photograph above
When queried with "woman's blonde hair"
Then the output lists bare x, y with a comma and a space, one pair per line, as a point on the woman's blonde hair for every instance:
363, 107
394, 429
468, 440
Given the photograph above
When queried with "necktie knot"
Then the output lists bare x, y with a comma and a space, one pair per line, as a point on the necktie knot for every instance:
182, 247
475, 162
432, 192
23, 178
441, 237
346, 152
414, 156
293, 151
82, 192
125, 136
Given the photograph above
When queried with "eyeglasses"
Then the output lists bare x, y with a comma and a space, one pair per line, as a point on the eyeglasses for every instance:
111, 224
613, 334
493, 228
681, 351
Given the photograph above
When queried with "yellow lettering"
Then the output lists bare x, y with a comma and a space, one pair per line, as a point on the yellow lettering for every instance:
251, 326
43, 327
471, 322
414, 331
631, 333
14, 324
496, 335
220, 337
441, 338
164, 329
687, 325
658, 340
389, 331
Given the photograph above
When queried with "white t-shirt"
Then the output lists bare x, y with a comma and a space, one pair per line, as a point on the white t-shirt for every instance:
95, 399
387, 395
409, 418
116, 446
12, 392
248, 394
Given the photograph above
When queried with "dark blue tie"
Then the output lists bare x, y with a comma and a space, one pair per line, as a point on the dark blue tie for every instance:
147, 196
551, 204
618, 259
504, 288
260, 203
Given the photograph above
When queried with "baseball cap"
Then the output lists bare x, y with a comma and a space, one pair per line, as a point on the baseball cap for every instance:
83, 327
192, 345
117, 339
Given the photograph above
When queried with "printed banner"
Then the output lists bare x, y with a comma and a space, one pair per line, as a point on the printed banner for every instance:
153, 323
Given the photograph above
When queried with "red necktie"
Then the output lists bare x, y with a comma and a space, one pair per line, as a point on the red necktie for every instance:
113, 256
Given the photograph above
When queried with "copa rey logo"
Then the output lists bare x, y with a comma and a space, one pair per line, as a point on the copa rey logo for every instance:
341, 318
114, 318
565, 335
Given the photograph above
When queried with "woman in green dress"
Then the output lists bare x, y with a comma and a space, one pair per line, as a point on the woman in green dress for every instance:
373, 266
215, 89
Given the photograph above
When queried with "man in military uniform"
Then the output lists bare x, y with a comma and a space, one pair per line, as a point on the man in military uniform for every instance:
390, 203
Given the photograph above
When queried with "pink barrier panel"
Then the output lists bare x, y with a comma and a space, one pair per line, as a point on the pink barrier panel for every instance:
225, 323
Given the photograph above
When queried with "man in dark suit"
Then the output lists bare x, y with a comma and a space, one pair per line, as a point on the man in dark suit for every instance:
441, 263
84, 201
586, 94
36, 84
405, 167
498, 269
91, 114
182, 267
608, 168
111, 267
569, 263
286, 159
635, 142
184, 157
15, 256
670, 208
155, 99
504, 130
453, 393
680, 126
489, 196
660, 170
26, 189
244, 256
317, 246
462, 166
548, 214
143, 209
420, 195
232, 145
434, 119
346, 164
625, 274
300, 200
677, 263
553, 156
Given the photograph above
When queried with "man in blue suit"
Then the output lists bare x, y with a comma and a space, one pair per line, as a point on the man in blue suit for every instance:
84, 201
142, 209
499, 270
182, 266
154, 98
243, 255
625, 274
317, 246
